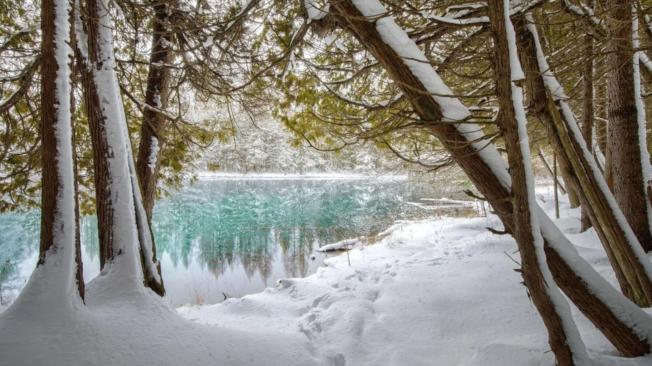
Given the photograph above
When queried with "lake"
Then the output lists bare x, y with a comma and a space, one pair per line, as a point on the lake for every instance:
230, 236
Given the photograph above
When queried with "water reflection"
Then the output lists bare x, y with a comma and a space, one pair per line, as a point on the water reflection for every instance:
233, 237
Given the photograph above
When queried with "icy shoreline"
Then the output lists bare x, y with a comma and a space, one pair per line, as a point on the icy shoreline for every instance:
306, 176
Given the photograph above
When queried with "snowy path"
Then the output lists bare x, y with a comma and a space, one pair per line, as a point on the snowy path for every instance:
432, 293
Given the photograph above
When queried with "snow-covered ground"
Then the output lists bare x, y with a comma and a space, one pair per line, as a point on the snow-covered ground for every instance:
438, 292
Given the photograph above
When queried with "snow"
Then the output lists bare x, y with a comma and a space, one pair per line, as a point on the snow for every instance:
316, 10
153, 155
459, 21
514, 64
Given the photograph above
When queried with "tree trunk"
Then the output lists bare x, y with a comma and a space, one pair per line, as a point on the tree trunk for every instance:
611, 313
151, 143
632, 268
563, 335
125, 241
59, 222
573, 196
552, 172
101, 175
625, 172
156, 100
73, 105
587, 116
601, 117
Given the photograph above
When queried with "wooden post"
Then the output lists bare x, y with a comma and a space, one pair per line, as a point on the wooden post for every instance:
556, 190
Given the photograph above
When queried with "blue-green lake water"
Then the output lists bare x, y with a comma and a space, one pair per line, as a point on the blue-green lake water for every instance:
232, 237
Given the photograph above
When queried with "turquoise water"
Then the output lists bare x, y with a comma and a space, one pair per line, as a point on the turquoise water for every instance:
226, 238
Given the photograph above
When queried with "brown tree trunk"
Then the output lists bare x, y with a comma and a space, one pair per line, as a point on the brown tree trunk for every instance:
151, 142
573, 196
599, 302
112, 181
552, 172
624, 169
156, 100
526, 232
73, 104
623, 250
587, 116
59, 222
601, 117
101, 153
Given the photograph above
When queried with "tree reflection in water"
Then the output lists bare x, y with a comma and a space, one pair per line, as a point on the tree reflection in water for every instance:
245, 234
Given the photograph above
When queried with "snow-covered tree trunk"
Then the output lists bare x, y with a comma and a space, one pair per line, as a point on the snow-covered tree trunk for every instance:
639, 59
632, 269
627, 168
126, 242
56, 284
156, 100
563, 334
621, 321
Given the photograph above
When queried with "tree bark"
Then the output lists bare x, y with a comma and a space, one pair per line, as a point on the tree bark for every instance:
563, 335
573, 196
59, 222
627, 259
602, 304
101, 153
156, 100
601, 117
624, 165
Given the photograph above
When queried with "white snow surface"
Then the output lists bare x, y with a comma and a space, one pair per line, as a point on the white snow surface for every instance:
438, 292
316, 10
153, 155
